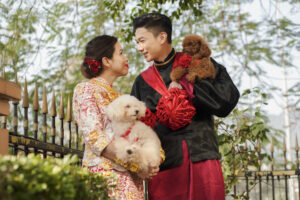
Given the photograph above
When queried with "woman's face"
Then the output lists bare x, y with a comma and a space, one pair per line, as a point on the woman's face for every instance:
119, 62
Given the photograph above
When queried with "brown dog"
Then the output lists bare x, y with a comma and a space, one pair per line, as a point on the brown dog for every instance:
200, 67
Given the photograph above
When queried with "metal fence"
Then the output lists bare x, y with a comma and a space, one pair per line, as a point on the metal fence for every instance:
269, 181
35, 138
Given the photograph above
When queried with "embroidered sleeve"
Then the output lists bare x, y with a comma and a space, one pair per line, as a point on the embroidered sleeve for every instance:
90, 117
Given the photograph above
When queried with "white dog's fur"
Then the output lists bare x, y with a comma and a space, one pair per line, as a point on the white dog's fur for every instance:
141, 146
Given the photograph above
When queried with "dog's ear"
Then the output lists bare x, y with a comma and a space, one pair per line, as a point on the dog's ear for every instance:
204, 49
142, 108
115, 110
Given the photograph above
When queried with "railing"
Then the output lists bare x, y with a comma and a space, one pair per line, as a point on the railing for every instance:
272, 183
37, 139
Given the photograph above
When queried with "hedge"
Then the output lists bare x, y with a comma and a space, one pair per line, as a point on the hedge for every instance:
31, 177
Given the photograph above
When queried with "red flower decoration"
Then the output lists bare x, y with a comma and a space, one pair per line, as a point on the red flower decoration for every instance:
175, 109
149, 119
93, 64
185, 61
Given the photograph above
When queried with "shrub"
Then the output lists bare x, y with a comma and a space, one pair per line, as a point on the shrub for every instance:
35, 178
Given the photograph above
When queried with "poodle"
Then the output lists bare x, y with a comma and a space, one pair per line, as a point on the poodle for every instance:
200, 67
134, 141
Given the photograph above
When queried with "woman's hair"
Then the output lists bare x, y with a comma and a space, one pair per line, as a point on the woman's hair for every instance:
99, 47
154, 22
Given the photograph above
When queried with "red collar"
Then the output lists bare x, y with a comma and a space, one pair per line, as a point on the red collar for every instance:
125, 135
128, 131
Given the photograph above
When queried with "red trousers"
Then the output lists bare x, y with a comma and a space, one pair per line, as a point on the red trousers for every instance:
190, 181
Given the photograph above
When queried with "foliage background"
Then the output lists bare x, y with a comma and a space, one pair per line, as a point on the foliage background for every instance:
35, 178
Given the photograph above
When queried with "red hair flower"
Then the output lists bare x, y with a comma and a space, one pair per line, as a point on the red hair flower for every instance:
175, 109
185, 61
94, 65
149, 119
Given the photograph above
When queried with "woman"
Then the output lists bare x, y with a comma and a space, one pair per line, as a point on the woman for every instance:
104, 62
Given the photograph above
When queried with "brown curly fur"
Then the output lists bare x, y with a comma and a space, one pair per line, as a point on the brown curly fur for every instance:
195, 46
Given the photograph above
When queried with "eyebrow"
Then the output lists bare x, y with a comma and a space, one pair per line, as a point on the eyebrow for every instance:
142, 37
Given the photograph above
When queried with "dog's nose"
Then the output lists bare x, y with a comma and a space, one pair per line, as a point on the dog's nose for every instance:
136, 111
129, 151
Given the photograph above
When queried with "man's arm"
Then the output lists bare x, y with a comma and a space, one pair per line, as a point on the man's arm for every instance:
216, 96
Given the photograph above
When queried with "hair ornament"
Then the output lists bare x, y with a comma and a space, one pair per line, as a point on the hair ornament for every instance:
94, 65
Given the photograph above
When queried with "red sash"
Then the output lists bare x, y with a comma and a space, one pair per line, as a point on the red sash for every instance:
153, 78
174, 109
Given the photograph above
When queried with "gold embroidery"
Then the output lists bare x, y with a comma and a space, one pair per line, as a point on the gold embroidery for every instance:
102, 144
110, 92
162, 155
94, 135
106, 164
130, 196
133, 167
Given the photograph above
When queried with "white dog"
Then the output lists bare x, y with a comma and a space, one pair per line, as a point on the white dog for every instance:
134, 141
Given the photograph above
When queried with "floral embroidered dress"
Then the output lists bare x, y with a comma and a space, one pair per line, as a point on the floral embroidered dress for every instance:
90, 101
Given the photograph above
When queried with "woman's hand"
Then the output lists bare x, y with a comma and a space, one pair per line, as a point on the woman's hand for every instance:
109, 152
152, 171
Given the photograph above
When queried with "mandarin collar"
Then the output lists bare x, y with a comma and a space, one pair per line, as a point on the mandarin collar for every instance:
169, 59
102, 81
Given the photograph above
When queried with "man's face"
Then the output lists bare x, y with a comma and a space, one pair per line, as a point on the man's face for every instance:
148, 44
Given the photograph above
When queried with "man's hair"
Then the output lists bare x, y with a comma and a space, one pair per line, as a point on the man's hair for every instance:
154, 22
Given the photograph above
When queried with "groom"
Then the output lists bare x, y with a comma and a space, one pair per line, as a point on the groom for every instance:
192, 169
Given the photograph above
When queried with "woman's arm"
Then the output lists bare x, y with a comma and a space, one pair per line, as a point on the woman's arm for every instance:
90, 118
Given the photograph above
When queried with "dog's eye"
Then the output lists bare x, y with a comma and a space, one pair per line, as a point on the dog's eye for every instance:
128, 106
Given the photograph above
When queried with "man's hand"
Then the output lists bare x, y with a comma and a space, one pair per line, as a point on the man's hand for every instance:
175, 85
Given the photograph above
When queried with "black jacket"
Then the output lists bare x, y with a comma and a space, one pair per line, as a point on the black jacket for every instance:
212, 97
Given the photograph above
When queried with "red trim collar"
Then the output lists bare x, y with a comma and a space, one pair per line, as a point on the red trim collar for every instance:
125, 135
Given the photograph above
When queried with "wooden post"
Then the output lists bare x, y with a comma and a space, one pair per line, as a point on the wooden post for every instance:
15, 117
9, 91
61, 117
25, 106
69, 120
35, 109
272, 168
53, 116
259, 168
45, 112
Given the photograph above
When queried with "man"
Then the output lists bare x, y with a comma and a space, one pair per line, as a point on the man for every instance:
192, 169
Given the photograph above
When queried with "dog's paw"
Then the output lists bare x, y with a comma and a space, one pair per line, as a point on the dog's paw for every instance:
191, 77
